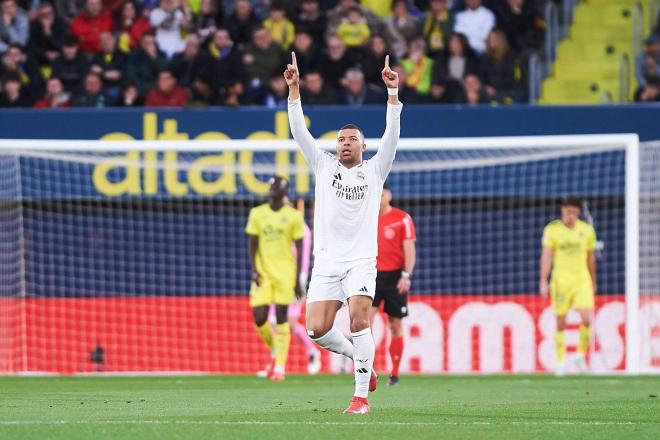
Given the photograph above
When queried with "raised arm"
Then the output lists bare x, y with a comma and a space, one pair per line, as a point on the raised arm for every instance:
387, 150
302, 136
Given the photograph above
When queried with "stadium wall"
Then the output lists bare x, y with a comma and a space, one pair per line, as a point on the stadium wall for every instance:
418, 121
178, 334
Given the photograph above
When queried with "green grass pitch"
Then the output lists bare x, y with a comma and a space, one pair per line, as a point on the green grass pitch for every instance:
306, 407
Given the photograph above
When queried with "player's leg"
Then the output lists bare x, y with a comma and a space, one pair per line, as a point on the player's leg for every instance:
320, 319
281, 341
299, 330
324, 299
396, 307
260, 299
584, 305
360, 285
561, 303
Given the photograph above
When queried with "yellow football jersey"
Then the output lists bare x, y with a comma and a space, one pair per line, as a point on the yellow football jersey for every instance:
570, 247
277, 231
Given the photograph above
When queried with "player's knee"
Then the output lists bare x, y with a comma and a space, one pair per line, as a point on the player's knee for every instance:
317, 331
396, 328
359, 323
260, 315
281, 313
561, 323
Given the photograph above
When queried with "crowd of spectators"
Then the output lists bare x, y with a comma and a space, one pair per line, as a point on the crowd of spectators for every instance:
173, 53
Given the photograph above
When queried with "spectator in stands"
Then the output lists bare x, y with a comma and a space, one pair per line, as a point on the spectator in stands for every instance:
145, 63
401, 28
445, 92
314, 91
353, 30
14, 25
473, 92
357, 92
130, 96
242, 23
71, 66
168, 20
437, 26
46, 35
312, 20
374, 59
281, 28
110, 64
407, 93
418, 67
89, 24
131, 24
380, 8
114, 6
650, 92
335, 62
277, 95
220, 69
235, 95
56, 96
205, 23
307, 53
184, 64
167, 92
501, 70
92, 94
520, 22
453, 63
263, 58
16, 61
67, 10
340, 13
475, 22
12, 92
647, 63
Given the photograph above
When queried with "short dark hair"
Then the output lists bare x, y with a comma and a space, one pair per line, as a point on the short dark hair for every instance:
571, 201
386, 185
353, 127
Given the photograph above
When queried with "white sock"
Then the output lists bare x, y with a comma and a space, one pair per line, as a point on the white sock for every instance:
364, 350
336, 342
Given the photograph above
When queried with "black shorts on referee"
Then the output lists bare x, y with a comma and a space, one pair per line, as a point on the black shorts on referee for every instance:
396, 304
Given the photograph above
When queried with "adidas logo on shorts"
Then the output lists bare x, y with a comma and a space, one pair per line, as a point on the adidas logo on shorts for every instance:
364, 289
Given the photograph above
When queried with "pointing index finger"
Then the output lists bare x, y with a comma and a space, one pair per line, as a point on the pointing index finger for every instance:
387, 61
293, 59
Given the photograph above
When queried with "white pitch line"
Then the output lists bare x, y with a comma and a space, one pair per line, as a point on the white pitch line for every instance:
313, 423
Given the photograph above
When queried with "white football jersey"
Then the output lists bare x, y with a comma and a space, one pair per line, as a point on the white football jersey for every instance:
347, 199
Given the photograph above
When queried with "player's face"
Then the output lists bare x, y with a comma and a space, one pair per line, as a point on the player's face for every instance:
278, 188
350, 146
570, 214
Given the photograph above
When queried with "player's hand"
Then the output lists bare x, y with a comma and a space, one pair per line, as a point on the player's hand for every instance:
544, 289
256, 278
291, 74
403, 286
390, 77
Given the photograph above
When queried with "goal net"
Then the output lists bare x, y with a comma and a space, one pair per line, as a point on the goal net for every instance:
132, 257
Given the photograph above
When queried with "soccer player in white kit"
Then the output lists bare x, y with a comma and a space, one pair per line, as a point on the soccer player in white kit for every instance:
347, 193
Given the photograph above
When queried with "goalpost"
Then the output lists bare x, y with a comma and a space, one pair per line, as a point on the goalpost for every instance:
131, 257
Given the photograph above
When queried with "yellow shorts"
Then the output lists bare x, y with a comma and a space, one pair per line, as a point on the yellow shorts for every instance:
579, 295
272, 291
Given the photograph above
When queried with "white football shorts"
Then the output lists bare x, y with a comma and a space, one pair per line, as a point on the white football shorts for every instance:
339, 281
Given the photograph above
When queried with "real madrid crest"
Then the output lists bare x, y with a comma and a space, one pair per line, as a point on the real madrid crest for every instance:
360, 175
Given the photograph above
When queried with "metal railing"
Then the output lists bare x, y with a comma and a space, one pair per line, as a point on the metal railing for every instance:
637, 29
624, 78
551, 17
557, 26
654, 10
535, 72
